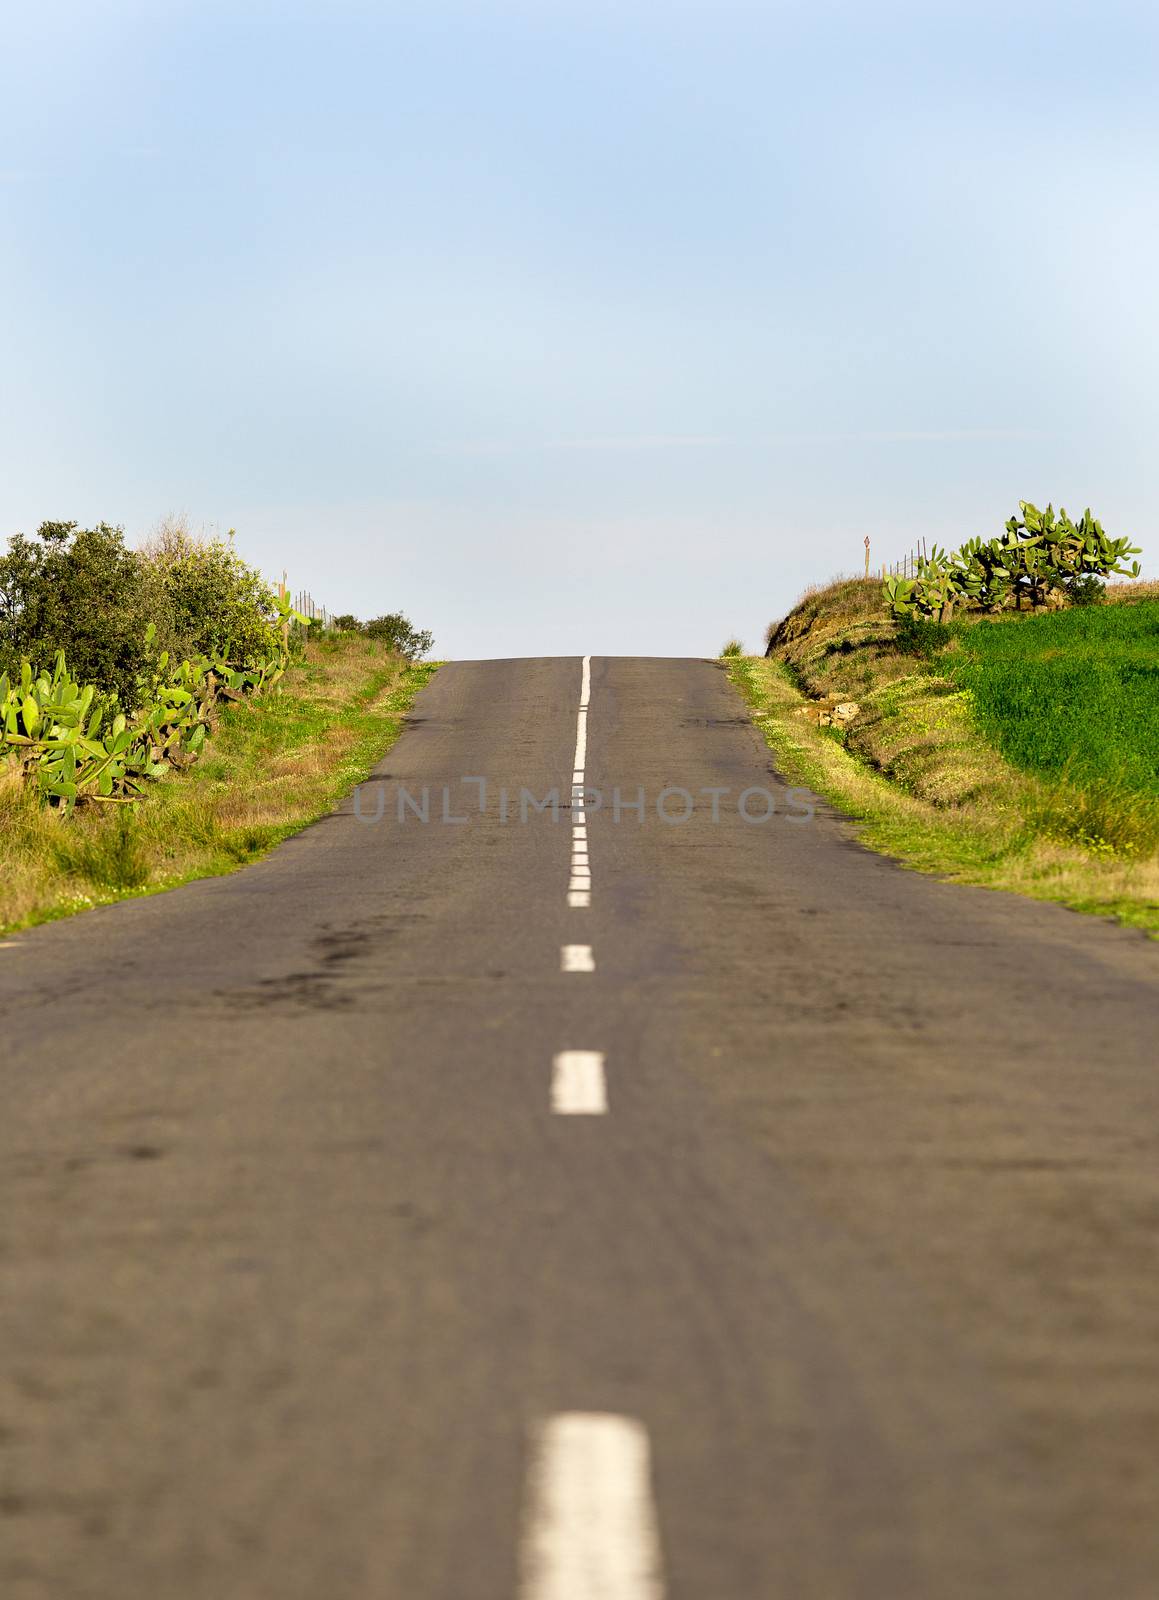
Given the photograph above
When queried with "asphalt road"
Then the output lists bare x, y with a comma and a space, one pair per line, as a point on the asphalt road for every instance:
828, 1270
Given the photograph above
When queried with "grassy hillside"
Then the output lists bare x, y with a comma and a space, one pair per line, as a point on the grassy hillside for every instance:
1073, 693
273, 765
1019, 753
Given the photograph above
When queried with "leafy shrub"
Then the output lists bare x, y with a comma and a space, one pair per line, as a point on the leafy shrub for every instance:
218, 604
923, 637
83, 592
732, 647
79, 590
399, 634
346, 623
1086, 591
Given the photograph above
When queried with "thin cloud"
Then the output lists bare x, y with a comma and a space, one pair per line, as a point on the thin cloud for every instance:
656, 441
610, 444
917, 435
627, 444
952, 435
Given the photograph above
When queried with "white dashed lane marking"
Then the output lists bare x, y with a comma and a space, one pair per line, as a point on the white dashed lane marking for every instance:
577, 1084
579, 888
591, 1524
591, 1531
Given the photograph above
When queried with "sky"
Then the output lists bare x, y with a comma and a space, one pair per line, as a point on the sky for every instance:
577, 326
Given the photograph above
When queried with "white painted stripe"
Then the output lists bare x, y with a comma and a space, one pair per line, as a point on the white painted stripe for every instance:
576, 958
591, 1529
577, 1084
581, 878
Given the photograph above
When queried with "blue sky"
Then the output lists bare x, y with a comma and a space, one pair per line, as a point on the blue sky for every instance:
578, 326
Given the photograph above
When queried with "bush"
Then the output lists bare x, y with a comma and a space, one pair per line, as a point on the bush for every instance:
922, 636
217, 604
81, 591
1086, 591
399, 634
732, 647
346, 623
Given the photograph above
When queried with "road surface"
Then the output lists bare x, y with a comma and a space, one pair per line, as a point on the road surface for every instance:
706, 1209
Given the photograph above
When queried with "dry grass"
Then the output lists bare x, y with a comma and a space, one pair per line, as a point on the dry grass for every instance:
1133, 590
272, 766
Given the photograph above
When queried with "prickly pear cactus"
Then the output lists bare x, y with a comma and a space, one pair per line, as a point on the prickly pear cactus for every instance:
52, 729
1030, 565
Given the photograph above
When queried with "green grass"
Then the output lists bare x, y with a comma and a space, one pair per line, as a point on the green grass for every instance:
273, 765
1074, 694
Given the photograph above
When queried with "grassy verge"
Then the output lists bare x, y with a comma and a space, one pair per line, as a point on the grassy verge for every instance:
273, 765
948, 766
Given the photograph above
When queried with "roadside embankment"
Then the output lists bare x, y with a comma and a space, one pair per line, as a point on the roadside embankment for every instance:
1016, 752
273, 764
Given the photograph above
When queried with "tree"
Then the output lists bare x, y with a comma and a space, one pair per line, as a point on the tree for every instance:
79, 590
398, 633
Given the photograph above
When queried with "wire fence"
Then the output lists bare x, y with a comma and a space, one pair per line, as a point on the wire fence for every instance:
305, 603
905, 568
